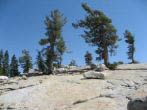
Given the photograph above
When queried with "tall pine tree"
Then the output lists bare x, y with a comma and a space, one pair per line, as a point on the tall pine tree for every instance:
1, 62
40, 62
99, 32
6, 64
129, 39
61, 48
14, 67
54, 23
26, 61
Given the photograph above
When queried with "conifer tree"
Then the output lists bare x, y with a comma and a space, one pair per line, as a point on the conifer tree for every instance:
54, 23
72, 63
14, 67
6, 64
26, 61
61, 48
40, 62
99, 32
1, 62
88, 58
129, 39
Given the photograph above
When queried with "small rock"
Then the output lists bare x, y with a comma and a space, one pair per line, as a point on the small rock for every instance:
24, 77
137, 104
61, 70
93, 75
101, 68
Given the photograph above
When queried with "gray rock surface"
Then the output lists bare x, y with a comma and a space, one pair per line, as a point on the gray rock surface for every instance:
71, 92
93, 75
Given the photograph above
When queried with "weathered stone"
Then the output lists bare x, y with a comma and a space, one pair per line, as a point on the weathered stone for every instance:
61, 70
93, 75
24, 77
137, 104
4, 78
101, 68
69, 92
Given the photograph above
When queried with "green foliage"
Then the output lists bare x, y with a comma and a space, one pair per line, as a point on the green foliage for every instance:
40, 62
1, 62
6, 64
99, 32
72, 63
129, 39
88, 58
120, 62
61, 48
54, 41
14, 67
113, 66
26, 61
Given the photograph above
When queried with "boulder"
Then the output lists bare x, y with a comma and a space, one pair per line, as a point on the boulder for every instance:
93, 75
33, 72
61, 70
137, 104
24, 77
4, 78
101, 68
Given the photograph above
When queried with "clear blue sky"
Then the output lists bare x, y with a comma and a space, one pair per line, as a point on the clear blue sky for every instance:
22, 25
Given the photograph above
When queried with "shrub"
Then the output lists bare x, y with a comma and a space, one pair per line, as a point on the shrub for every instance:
112, 66
135, 62
120, 62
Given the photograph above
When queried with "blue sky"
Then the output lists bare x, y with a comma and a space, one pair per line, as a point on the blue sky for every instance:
22, 25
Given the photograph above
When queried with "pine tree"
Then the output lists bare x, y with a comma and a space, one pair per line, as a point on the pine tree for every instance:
88, 58
25, 61
40, 62
1, 62
99, 32
72, 63
129, 39
61, 48
6, 64
54, 23
14, 67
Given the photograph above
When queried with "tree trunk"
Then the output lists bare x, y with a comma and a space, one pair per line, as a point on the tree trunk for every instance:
106, 56
133, 50
133, 61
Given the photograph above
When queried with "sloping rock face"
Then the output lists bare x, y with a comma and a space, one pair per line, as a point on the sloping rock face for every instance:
138, 104
71, 92
93, 75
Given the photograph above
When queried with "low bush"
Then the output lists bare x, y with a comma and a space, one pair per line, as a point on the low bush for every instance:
136, 62
120, 62
112, 66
